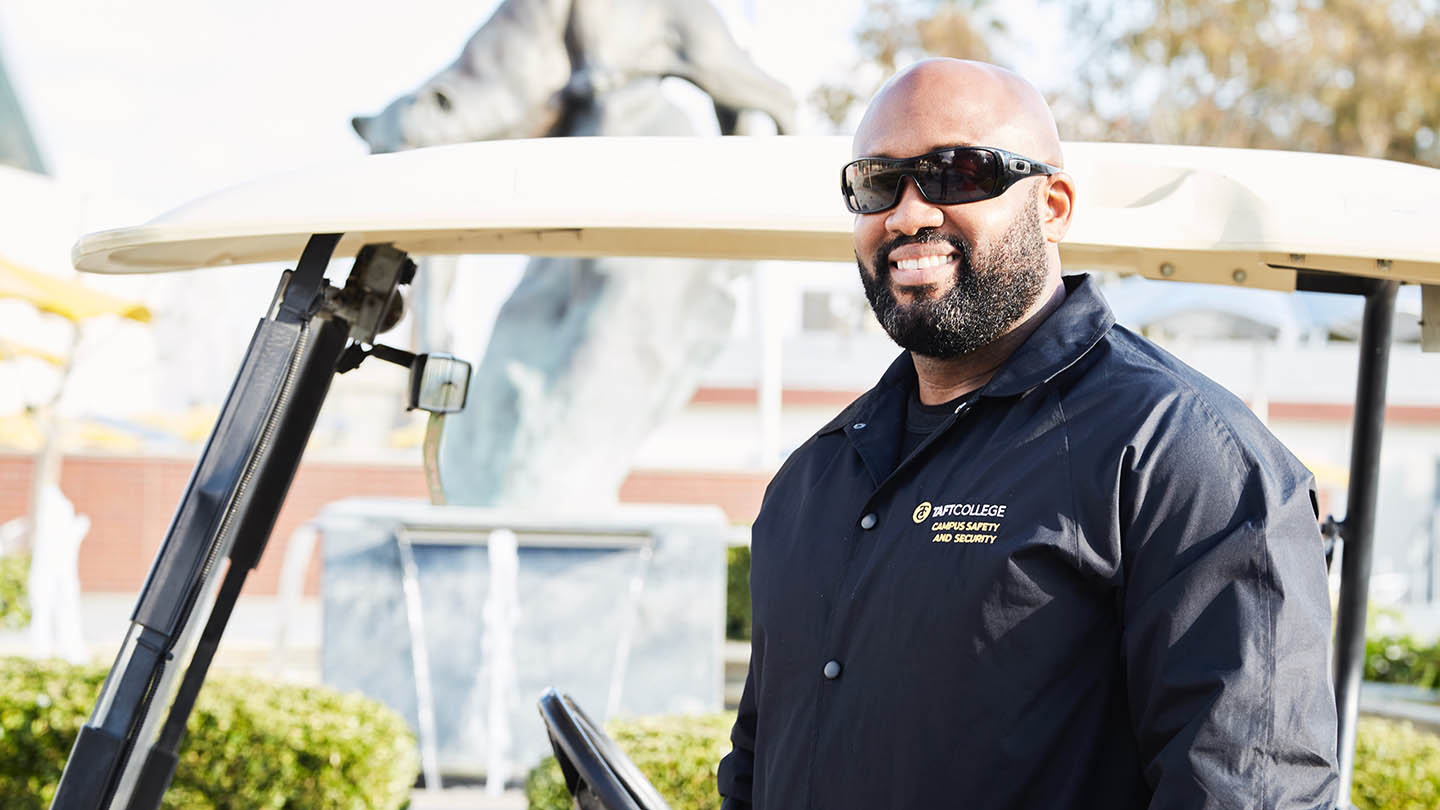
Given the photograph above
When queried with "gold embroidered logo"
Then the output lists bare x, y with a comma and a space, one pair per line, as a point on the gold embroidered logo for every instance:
962, 531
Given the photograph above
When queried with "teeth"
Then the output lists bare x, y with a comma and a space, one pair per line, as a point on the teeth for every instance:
922, 262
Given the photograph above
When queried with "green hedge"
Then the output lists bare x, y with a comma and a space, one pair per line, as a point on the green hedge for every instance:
14, 604
678, 754
252, 745
1397, 766
737, 594
1402, 659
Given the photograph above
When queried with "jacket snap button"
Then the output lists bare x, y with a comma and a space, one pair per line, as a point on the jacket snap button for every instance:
858, 426
869, 521
832, 669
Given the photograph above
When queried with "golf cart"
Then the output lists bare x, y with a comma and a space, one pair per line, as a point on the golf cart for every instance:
1240, 218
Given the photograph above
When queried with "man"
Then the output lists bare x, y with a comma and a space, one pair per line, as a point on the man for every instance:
1041, 564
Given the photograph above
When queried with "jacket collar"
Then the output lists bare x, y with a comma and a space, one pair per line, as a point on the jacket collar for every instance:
1063, 338
1082, 319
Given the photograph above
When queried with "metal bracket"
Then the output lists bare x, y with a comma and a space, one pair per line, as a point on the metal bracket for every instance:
370, 301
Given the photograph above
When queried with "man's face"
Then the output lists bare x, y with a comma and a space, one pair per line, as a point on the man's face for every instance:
945, 280
939, 295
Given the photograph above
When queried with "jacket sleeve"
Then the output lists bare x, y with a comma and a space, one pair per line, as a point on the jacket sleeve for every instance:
737, 769
1226, 622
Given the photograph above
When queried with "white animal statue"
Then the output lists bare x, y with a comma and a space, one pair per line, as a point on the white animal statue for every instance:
537, 63
587, 355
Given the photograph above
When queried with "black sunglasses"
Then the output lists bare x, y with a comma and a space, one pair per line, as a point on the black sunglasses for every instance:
960, 174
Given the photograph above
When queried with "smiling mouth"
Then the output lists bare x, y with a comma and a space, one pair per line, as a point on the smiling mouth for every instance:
924, 270
924, 262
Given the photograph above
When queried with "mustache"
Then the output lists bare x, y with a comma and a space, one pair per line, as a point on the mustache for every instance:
882, 253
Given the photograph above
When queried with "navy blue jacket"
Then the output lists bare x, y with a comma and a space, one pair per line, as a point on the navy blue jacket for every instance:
1099, 586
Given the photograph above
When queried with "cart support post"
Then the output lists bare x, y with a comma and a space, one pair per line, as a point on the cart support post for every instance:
1358, 529
125, 755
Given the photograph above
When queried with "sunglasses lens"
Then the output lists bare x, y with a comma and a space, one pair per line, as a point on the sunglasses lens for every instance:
954, 176
873, 185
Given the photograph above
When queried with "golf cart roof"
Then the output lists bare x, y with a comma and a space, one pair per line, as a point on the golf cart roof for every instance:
1229, 216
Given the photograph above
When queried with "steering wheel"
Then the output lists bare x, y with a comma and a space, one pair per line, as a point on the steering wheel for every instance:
599, 775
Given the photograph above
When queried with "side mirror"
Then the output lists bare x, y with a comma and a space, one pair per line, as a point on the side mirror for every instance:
438, 383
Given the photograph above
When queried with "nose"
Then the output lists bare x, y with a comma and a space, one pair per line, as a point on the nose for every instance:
360, 123
913, 212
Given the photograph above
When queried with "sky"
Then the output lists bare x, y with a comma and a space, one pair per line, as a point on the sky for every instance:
160, 101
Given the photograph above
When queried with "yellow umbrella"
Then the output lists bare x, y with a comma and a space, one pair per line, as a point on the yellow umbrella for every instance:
93, 435
10, 350
68, 299
19, 431
192, 425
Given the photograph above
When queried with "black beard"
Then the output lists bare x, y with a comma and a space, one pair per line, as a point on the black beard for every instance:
993, 290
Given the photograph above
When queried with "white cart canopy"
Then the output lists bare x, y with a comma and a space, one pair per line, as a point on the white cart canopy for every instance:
1228, 216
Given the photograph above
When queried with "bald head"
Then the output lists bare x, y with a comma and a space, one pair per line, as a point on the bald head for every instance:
955, 102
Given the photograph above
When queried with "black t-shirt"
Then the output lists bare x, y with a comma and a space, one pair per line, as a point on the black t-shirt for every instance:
921, 420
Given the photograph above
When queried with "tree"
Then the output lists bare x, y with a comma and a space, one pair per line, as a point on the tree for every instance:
1359, 77
896, 32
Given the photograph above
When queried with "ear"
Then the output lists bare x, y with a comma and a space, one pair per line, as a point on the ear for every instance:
1057, 204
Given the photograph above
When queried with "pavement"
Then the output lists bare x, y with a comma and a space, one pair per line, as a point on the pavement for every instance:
1399, 702
466, 798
